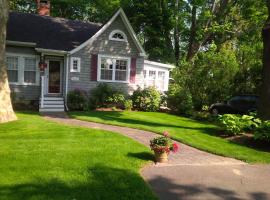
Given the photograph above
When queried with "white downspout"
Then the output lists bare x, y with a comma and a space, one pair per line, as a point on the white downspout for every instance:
67, 70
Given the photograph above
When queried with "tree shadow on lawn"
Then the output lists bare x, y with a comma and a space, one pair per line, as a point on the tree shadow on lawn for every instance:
116, 117
102, 183
142, 156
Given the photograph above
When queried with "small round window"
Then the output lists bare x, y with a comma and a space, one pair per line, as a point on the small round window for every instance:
118, 36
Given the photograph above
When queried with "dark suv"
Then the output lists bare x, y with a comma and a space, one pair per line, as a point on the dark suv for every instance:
241, 104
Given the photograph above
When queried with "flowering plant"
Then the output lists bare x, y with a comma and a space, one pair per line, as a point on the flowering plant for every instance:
163, 144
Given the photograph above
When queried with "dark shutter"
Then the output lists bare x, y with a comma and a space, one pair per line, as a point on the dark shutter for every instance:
94, 60
133, 70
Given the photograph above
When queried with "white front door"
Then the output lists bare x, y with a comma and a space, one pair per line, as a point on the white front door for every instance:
53, 77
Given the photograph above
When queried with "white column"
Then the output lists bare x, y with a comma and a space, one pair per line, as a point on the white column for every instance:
42, 92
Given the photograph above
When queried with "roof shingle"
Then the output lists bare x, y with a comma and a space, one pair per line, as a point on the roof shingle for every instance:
49, 32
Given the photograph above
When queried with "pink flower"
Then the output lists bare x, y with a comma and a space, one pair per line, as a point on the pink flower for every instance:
175, 147
166, 133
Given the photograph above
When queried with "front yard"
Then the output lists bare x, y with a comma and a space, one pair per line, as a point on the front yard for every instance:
197, 134
44, 160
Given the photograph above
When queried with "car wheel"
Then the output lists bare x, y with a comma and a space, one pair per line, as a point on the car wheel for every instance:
214, 112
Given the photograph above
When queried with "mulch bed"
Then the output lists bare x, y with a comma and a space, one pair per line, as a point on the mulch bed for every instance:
247, 139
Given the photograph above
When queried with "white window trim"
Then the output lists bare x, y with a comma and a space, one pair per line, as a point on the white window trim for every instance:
166, 79
116, 39
113, 78
21, 68
72, 59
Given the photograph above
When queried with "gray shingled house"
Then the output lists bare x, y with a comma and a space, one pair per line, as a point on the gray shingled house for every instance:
48, 57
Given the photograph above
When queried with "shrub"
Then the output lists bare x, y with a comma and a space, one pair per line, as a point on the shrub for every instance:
179, 100
203, 116
262, 132
128, 104
106, 96
77, 100
236, 124
100, 95
116, 100
148, 99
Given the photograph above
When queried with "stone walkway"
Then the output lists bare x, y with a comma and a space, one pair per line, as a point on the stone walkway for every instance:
186, 156
191, 173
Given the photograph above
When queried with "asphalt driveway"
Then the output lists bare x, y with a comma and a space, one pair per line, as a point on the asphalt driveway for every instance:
210, 181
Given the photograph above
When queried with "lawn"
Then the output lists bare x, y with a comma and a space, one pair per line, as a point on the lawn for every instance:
45, 160
194, 133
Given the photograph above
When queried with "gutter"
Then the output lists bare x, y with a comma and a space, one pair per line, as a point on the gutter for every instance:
22, 44
51, 51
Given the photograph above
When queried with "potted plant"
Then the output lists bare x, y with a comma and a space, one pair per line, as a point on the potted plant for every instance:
162, 146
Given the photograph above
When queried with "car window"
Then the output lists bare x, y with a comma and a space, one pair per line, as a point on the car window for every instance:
234, 100
243, 103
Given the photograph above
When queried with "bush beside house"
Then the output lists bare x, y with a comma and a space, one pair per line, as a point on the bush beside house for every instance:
148, 99
105, 96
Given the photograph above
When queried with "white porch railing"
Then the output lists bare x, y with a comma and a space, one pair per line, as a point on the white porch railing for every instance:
42, 92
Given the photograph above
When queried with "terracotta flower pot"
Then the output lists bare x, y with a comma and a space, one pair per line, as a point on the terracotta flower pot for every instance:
161, 157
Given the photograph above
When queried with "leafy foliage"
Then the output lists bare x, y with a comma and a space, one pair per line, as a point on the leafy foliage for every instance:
147, 99
128, 104
179, 100
117, 100
100, 95
77, 100
237, 124
209, 78
262, 132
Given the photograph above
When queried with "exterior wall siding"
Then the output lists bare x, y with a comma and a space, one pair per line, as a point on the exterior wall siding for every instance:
24, 92
102, 45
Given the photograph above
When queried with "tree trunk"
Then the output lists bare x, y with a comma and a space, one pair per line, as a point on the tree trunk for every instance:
6, 110
264, 103
176, 34
192, 38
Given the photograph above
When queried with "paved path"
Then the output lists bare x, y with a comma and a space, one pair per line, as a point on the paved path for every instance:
191, 173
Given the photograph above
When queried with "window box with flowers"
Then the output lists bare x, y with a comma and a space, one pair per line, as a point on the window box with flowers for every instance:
162, 146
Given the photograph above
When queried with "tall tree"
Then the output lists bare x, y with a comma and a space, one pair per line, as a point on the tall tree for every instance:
154, 20
264, 106
207, 20
176, 33
6, 110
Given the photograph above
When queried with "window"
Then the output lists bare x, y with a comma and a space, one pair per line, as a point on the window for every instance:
113, 69
106, 69
155, 78
118, 36
121, 70
75, 64
12, 69
161, 80
144, 74
22, 69
152, 78
30, 70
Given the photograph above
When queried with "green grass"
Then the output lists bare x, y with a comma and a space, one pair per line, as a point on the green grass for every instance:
194, 133
45, 160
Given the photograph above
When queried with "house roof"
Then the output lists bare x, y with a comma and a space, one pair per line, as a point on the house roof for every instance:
158, 64
49, 32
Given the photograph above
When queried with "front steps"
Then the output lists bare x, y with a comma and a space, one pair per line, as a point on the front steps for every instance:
52, 104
